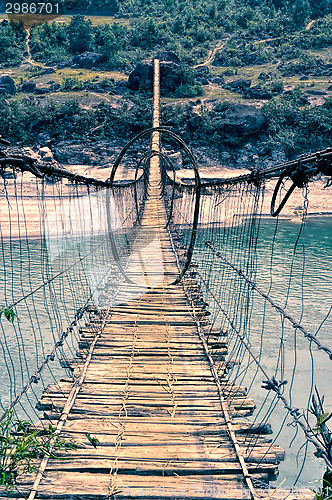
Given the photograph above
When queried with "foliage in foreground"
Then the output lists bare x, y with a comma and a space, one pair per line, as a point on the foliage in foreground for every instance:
324, 434
21, 445
8, 313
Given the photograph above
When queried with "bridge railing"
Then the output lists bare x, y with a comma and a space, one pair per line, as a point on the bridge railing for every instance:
266, 285
56, 263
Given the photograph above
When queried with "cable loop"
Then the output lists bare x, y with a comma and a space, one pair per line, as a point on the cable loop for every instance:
276, 212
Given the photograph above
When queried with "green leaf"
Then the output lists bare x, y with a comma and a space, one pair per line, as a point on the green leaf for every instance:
9, 313
323, 418
93, 440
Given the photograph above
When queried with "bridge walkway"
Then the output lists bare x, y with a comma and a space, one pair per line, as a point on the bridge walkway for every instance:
144, 408
150, 399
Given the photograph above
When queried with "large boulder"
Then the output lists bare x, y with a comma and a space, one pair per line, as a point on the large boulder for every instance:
239, 84
88, 59
167, 55
29, 87
243, 119
7, 85
256, 92
142, 75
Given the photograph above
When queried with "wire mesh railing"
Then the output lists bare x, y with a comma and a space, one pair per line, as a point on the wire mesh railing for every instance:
266, 287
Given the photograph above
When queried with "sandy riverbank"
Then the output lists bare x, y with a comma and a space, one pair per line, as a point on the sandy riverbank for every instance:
23, 219
320, 199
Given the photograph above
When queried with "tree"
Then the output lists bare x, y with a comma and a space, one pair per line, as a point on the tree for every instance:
301, 11
11, 43
105, 40
319, 8
80, 34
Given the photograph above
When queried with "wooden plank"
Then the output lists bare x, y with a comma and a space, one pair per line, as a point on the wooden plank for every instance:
142, 388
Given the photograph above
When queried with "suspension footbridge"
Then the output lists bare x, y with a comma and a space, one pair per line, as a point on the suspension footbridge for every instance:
155, 401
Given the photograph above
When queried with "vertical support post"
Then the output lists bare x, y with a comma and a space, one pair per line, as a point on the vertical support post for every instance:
155, 176
156, 106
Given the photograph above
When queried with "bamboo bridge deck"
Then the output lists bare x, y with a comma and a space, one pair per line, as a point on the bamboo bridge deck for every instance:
144, 388
145, 393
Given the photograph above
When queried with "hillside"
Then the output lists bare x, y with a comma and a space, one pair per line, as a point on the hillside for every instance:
274, 56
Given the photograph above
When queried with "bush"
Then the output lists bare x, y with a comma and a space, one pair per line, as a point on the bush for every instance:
24, 121
49, 43
297, 128
21, 445
274, 87
72, 83
222, 106
188, 90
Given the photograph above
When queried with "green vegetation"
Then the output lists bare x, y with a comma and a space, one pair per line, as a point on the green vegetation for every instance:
273, 43
295, 127
23, 121
186, 27
8, 313
21, 445
292, 125
189, 90
12, 43
324, 433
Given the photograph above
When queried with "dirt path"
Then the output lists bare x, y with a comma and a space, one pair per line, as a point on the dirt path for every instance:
29, 59
309, 25
220, 44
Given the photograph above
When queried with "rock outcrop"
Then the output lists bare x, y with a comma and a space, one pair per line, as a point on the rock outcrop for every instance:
256, 92
29, 87
142, 75
88, 59
7, 85
243, 120
239, 84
